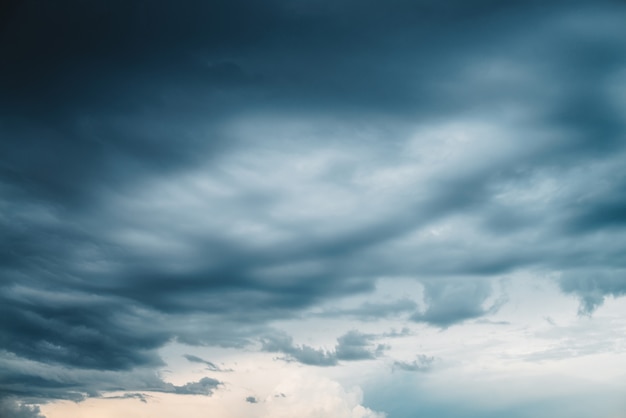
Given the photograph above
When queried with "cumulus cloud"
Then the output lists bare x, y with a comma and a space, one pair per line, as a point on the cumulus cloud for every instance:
315, 397
39, 380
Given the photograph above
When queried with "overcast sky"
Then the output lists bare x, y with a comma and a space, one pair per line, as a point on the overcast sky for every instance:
312, 208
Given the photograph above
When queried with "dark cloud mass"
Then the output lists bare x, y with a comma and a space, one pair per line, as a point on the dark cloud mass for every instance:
35, 381
191, 171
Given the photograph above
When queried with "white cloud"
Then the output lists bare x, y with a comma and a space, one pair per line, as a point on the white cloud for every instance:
316, 397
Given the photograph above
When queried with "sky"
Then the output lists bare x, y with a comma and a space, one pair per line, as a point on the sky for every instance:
312, 208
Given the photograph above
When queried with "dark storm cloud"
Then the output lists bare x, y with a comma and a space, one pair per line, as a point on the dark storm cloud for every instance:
142, 397
43, 325
36, 381
133, 205
607, 209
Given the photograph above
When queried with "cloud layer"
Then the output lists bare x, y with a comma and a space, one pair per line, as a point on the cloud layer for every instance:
188, 172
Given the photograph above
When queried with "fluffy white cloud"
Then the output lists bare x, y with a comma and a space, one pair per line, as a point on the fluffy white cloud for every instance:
316, 397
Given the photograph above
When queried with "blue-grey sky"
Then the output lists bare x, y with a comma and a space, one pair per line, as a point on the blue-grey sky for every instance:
382, 205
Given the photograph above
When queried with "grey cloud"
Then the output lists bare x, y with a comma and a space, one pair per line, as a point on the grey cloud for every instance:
373, 310
356, 346
277, 342
393, 333
210, 365
50, 331
12, 408
602, 208
130, 190
39, 381
251, 399
283, 343
352, 346
422, 363
592, 287
452, 301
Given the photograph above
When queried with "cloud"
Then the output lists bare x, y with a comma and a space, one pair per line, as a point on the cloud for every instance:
251, 399
422, 363
204, 386
140, 396
283, 343
351, 346
311, 397
210, 365
373, 310
41, 381
592, 287
11, 408
199, 175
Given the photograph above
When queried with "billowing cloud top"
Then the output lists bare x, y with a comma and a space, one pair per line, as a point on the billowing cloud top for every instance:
194, 171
